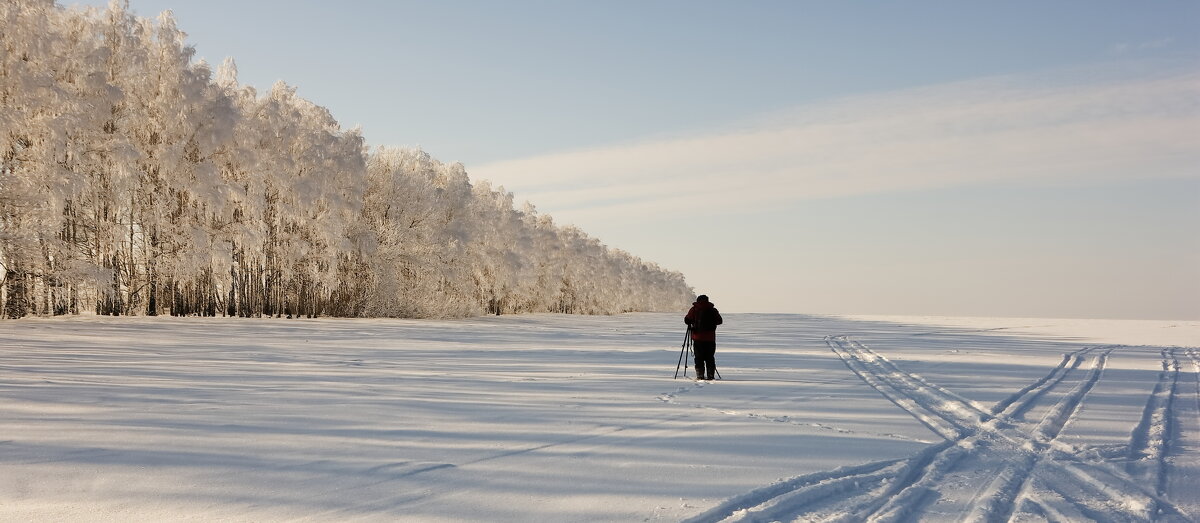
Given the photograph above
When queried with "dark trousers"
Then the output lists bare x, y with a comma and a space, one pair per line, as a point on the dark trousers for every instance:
706, 352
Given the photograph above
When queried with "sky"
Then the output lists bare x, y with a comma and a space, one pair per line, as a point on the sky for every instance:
1022, 159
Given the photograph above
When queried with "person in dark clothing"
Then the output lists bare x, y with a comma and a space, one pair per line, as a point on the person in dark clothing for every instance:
703, 319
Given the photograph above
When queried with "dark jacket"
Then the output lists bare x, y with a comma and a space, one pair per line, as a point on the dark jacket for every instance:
703, 318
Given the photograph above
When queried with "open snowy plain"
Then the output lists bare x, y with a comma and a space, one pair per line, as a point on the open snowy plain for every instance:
570, 418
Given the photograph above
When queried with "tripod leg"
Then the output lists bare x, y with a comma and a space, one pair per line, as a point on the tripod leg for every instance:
689, 360
691, 356
682, 350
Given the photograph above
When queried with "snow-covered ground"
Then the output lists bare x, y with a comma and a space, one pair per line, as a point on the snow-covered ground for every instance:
570, 418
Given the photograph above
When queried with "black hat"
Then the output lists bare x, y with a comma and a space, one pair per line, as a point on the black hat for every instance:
701, 298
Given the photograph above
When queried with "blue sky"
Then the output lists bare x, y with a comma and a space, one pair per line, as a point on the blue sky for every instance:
950, 158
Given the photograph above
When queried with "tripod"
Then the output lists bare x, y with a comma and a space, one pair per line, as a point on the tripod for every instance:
689, 352
685, 350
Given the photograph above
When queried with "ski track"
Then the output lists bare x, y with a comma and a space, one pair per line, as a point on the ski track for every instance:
999, 466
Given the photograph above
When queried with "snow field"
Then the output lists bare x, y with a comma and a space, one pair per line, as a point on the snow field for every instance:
569, 418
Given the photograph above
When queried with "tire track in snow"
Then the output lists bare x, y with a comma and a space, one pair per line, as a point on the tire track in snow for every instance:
1007, 408
991, 442
1039, 480
1141, 494
1053, 505
997, 503
1151, 440
1194, 356
795, 489
1099, 492
958, 421
866, 368
966, 416
972, 412
1123, 498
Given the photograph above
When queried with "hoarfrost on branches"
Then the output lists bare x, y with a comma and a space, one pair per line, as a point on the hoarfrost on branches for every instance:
135, 180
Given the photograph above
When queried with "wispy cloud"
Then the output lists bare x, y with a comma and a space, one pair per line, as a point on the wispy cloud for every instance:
1077, 127
1129, 47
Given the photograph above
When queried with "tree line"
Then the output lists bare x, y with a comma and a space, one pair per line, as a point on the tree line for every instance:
135, 180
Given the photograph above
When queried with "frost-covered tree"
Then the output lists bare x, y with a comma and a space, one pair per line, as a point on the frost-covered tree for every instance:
412, 212
135, 180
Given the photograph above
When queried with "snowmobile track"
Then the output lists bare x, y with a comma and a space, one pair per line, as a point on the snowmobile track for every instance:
1038, 478
1150, 443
